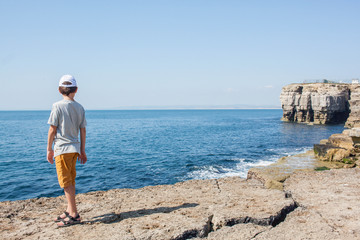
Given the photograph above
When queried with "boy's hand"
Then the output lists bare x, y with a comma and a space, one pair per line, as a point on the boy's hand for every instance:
50, 156
83, 158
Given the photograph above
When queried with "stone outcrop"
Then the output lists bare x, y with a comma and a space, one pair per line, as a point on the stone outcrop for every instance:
354, 105
314, 205
321, 103
343, 148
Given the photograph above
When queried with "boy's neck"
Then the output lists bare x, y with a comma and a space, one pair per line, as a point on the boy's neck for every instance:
70, 97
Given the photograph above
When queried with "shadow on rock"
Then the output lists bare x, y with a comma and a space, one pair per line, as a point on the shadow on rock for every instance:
114, 217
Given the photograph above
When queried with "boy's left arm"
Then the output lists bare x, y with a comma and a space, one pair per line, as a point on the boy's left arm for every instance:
82, 157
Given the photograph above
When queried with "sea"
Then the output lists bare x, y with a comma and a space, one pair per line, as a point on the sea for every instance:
137, 148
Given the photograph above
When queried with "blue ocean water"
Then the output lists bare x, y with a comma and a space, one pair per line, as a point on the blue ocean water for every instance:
137, 148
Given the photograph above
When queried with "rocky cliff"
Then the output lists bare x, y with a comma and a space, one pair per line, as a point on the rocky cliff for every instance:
320, 103
354, 106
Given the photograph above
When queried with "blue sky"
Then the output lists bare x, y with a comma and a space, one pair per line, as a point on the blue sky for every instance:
172, 53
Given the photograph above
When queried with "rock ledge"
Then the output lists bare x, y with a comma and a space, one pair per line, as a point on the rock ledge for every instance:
313, 205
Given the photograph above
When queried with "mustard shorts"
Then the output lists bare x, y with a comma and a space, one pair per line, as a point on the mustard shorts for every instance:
65, 168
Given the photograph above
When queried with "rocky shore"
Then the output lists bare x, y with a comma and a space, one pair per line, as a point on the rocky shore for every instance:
312, 205
338, 151
274, 175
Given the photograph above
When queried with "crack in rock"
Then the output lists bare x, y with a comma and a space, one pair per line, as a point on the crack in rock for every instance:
270, 221
283, 214
209, 226
187, 234
327, 222
288, 194
257, 234
217, 184
192, 233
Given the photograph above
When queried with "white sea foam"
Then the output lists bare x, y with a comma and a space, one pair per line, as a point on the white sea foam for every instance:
240, 169
241, 166
289, 152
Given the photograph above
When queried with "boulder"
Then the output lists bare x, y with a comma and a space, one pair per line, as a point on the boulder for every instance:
337, 154
324, 141
341, 141
336, 148
351, 165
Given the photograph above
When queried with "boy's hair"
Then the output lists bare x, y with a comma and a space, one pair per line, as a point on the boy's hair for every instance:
67, 90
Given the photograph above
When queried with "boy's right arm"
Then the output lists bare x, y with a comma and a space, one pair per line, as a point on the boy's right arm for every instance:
51, 136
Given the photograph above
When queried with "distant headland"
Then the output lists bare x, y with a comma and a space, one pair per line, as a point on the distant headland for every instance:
322, 103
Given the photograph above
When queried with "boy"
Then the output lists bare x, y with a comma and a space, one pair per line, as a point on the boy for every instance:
66, 120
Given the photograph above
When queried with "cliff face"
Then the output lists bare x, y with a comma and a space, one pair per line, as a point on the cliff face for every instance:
354, 105
319, 103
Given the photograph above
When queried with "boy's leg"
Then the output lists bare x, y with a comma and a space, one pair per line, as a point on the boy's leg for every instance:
65, 166
70, 192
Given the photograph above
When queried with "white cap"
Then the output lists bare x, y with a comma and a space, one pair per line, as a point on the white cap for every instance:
67, 78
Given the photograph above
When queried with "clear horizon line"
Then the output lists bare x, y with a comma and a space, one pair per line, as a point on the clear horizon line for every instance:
121, 109
165, 107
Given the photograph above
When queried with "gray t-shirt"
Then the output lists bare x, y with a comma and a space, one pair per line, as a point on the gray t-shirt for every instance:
68, 116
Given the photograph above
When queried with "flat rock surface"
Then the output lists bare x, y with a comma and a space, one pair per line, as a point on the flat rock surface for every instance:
328, 207
179, 211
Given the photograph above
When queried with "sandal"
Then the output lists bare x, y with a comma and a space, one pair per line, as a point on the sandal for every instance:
59, 218
71, 221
